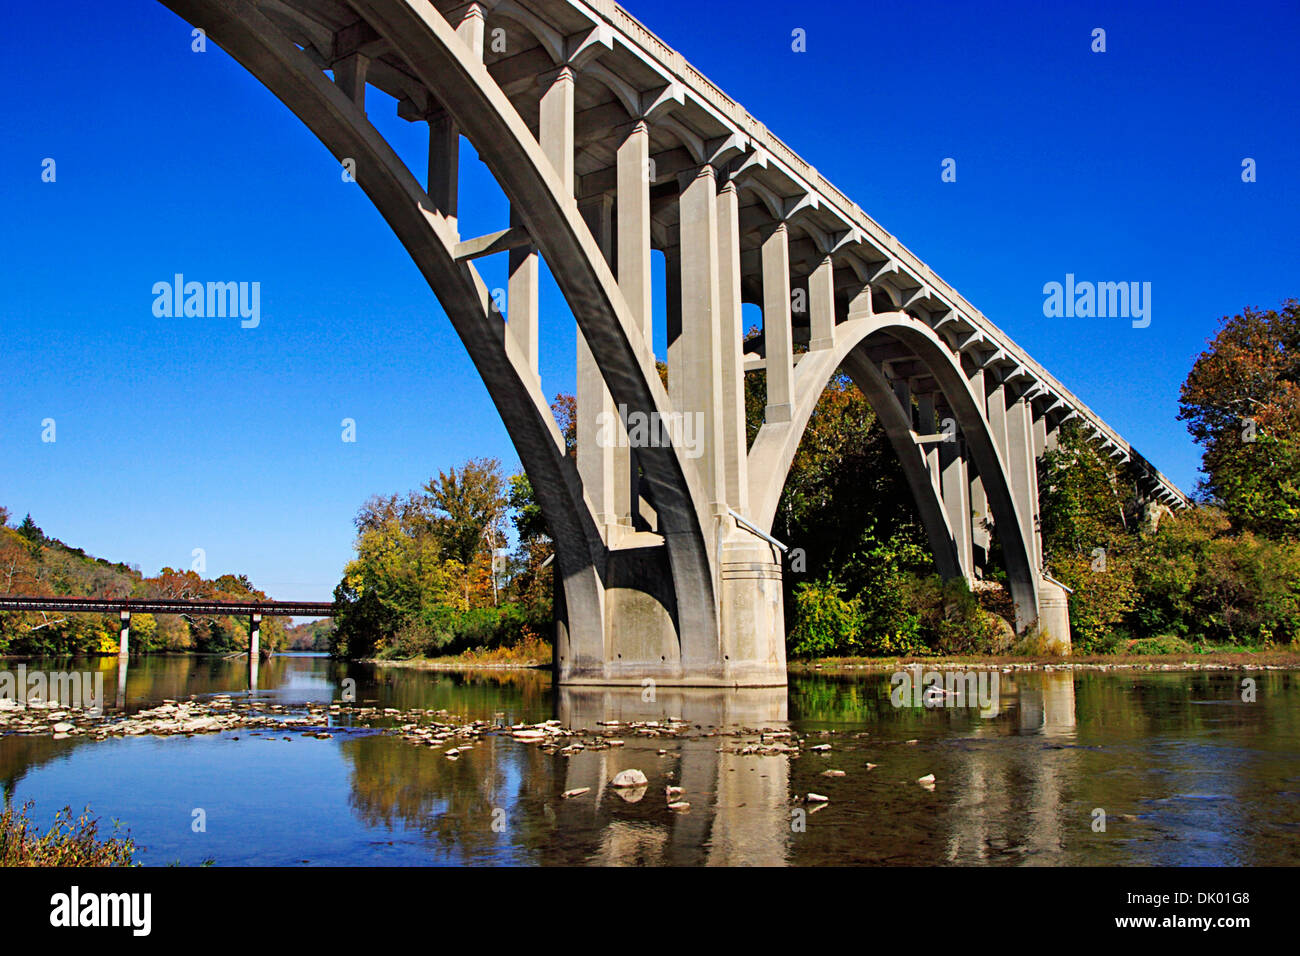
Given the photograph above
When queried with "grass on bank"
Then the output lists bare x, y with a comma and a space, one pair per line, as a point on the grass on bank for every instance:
530, 651
69, 841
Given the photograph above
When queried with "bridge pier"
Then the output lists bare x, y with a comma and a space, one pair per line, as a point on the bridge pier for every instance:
124, 638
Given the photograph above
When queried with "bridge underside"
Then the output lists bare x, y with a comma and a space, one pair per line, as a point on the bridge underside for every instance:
611, 149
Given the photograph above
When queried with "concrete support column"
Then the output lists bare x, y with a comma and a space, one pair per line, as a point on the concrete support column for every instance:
860, 306
903, 392
694, 379
1024, 477
521, 298
1040, 432
633, 243
778, 337
124, 638
730, 325
981, 539
955, 483
632, 187
443, 183
927, 424
598, 435
471, 29
1053, 437
996, 406
979, 506
254, 649
555, 123
555, 136
821, 305
350, 77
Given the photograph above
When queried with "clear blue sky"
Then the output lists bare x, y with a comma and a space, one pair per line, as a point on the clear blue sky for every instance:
174, 434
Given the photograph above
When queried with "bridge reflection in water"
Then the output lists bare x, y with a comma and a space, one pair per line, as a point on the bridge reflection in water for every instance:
740, 805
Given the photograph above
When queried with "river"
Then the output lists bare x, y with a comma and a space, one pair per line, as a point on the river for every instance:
1066, 768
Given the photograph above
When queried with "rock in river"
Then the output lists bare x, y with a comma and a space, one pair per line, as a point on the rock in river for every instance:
629, 778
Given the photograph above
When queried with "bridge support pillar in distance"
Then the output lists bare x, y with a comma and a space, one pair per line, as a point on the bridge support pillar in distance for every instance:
124, 638
254, 648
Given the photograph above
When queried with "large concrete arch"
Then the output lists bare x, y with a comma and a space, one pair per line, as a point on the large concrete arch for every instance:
342, 127
777, 442
550, 213
547, 208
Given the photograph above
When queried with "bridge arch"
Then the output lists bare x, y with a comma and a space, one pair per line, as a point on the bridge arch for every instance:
581, 556
608, 146
776, 444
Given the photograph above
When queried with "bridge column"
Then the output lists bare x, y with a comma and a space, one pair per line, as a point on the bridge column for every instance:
555, 136
860, 305
955, 484
254, 649
1040, 431
928, 425
821, 305
350, 77
124, 638
443, 183
778, 336
521, 297
996, 406
695, 362
632, 195
731, 328
1053, 605
979, 504
598, 440
1024, 475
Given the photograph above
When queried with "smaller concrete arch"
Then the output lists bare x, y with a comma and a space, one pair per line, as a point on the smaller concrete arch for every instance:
774, 448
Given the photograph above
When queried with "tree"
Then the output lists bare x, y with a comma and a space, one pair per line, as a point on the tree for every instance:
1241, 401
32, 533
468, 504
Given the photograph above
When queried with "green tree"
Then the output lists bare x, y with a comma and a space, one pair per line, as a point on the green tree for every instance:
1241, 401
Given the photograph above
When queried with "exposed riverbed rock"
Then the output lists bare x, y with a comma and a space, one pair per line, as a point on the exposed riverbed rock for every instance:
629, 778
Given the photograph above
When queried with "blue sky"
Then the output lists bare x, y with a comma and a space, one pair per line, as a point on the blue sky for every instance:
175, 434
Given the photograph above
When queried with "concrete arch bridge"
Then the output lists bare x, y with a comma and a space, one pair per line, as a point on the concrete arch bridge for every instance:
610, 146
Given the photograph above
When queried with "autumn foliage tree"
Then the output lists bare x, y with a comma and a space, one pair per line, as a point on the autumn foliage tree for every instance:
1241, 402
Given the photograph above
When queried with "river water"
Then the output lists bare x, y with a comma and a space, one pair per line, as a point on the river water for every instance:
1067, 768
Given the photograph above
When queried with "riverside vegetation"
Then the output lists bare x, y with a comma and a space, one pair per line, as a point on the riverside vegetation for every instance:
435, 572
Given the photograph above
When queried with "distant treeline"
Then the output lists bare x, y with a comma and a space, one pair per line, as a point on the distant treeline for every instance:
32, 563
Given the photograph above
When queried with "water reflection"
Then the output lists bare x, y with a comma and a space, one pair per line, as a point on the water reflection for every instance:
739, 805
1183, 769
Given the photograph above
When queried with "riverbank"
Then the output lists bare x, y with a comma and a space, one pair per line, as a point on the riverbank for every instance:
501, 659
1214, 660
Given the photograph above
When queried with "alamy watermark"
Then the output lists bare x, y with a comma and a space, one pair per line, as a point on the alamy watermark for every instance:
947, 688
1102, 300
211, 300
684, 430
76, 689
